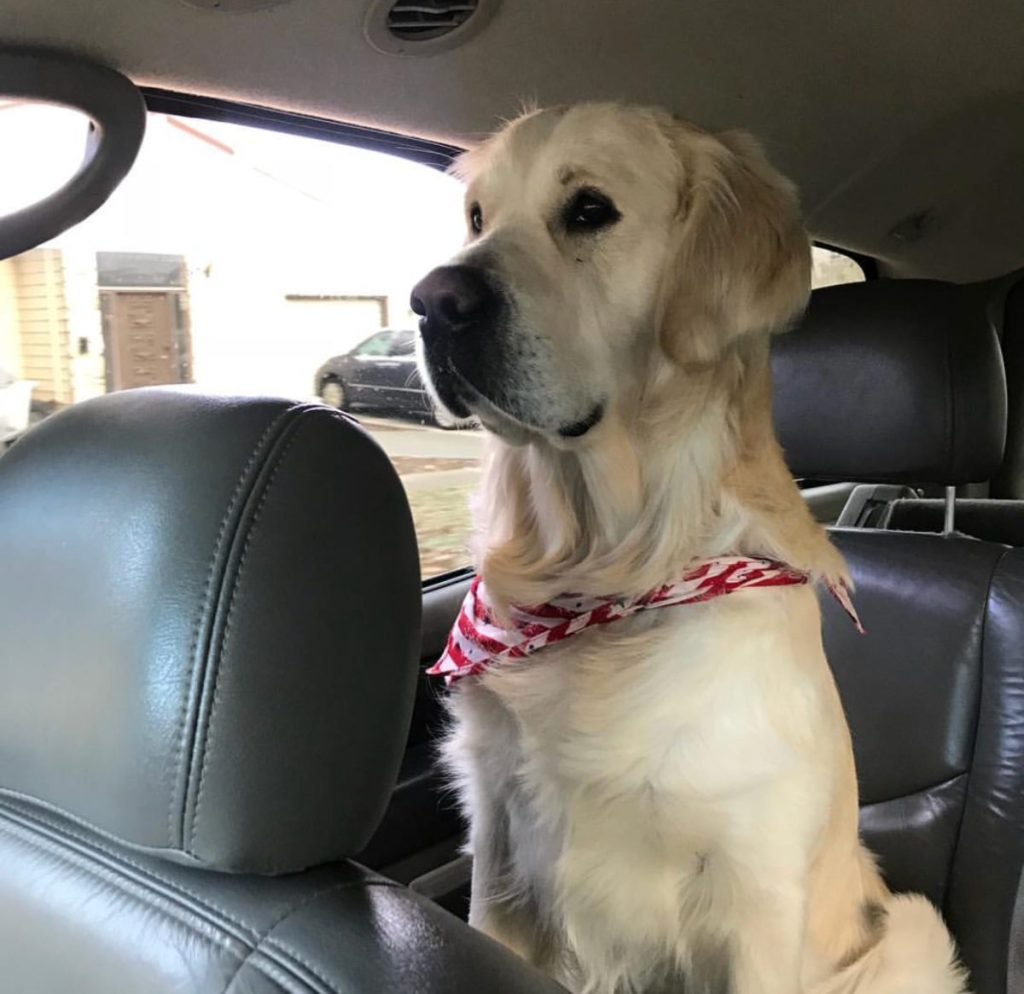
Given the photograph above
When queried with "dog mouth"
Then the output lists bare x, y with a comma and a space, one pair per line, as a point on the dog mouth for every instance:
465, 399
579, 428
445, 381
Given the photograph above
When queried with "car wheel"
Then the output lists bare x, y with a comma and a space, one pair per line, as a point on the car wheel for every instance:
332, 393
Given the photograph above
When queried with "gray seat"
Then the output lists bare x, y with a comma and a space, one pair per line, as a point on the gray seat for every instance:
993, 511
1007, 296
209, 630
891, 381
894, 320
903, 384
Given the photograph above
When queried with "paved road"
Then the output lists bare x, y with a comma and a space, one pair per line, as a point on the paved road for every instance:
406, 438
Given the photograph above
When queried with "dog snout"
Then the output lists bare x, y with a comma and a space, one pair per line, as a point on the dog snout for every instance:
453, 298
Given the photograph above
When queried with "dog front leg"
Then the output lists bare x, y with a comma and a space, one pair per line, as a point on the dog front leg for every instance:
497, 908
514, 925
768, 947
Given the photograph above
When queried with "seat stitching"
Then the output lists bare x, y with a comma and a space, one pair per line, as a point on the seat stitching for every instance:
927, 789
221, 653
38, 804
287, 913
169, 904
128, 861
280, 973
185, 917
125, 885
977, 719
284, 950
182, 722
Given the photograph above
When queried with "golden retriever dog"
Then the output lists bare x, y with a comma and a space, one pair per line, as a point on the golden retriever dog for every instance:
665, 801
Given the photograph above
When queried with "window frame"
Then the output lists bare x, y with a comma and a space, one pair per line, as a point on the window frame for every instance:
437, 155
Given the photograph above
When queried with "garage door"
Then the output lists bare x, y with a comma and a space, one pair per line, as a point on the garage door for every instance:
317, 328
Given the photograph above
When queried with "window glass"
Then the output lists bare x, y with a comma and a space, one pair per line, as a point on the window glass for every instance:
242, 260
378, 345
404, 343
829, 268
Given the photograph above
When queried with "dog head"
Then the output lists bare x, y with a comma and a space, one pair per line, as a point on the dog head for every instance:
606, 245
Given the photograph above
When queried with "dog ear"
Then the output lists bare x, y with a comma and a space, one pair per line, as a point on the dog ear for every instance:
741, 258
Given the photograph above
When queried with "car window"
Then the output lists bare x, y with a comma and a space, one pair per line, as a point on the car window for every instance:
404, 343
829, 267
242, 260
377, 345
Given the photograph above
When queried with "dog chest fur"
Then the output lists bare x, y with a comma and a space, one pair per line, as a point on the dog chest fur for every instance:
620, 791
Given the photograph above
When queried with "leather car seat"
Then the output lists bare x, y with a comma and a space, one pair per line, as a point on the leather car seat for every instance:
1008, 294
959, 322
891, 384
209, 637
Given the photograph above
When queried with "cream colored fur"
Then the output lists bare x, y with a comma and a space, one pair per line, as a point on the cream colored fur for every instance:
668, 803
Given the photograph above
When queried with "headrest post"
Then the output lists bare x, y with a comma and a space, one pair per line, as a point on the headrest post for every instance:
947, 525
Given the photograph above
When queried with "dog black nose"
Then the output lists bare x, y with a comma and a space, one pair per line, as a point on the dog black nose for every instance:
451, 298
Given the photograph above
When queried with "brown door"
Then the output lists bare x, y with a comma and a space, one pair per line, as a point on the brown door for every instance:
142, 339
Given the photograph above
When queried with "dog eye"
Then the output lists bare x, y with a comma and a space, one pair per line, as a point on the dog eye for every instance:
589, 211
476, 218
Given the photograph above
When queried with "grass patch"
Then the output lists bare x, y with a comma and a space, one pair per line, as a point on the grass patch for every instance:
429, 464
443, 527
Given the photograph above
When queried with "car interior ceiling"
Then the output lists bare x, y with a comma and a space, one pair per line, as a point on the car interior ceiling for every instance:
849, 103
893, 396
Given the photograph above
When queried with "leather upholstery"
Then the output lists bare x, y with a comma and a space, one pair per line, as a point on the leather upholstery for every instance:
81, 914
901, 382
991, 842
891, 381
420, 797
239, 576
1016, 971
989, 520
1009, 481
934, 695
210, 616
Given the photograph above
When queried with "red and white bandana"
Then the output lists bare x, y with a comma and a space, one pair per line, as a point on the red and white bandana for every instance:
478, 641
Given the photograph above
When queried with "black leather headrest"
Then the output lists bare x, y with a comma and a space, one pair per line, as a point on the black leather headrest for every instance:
209, 626
891, 381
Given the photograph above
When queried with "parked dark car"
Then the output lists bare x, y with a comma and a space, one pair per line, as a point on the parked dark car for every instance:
378, 374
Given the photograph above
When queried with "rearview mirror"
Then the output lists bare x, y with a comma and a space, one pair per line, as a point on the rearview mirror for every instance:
61, 88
